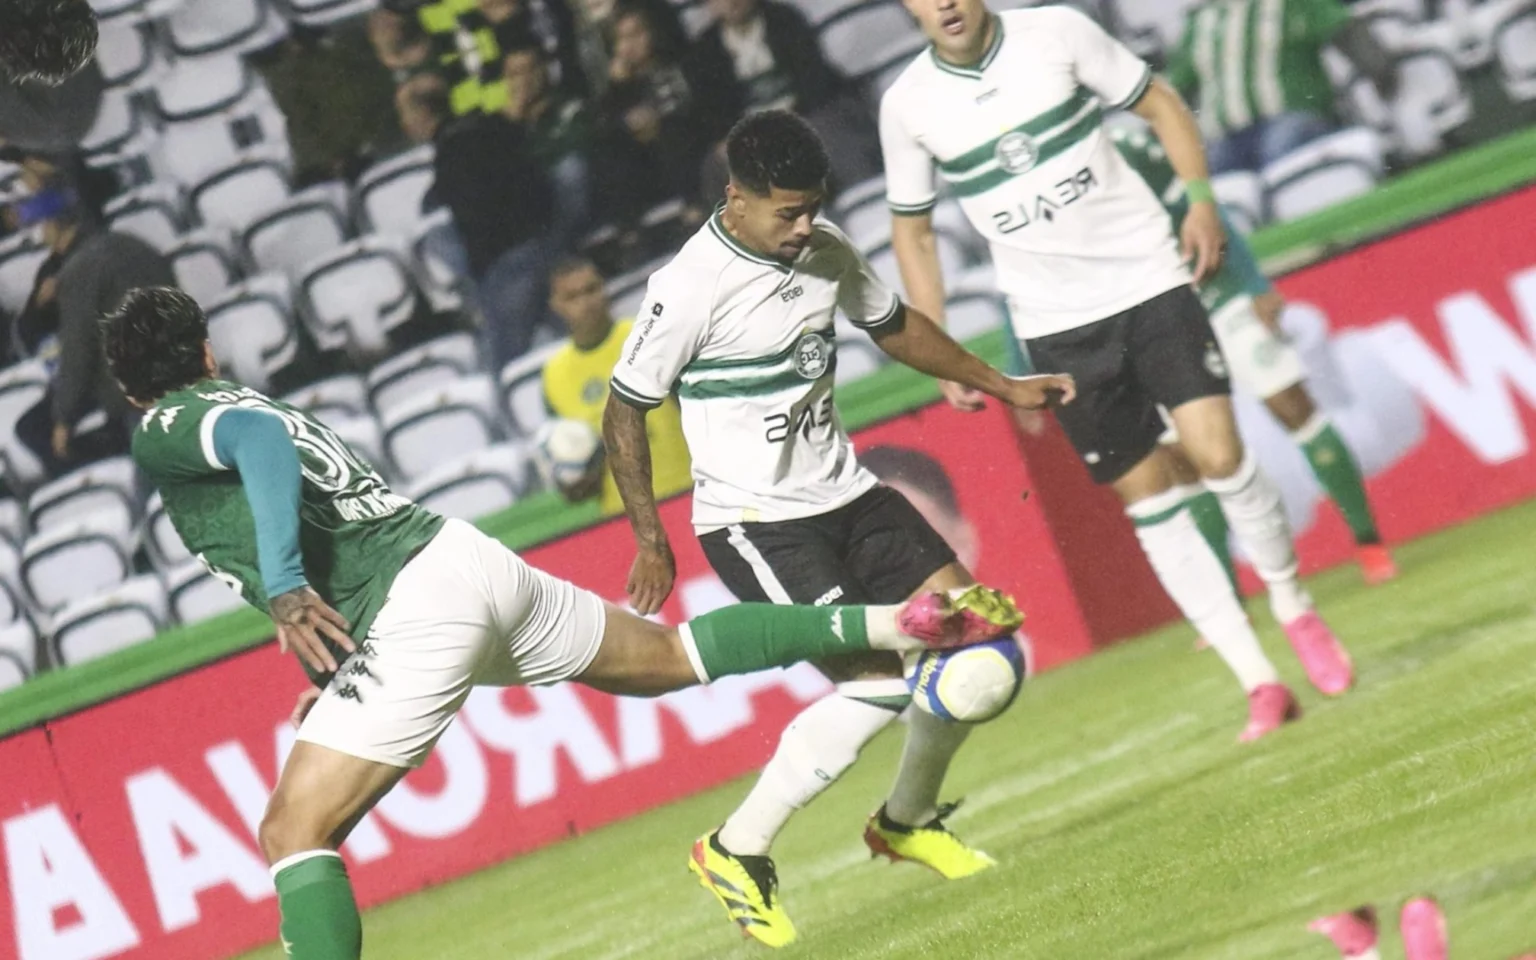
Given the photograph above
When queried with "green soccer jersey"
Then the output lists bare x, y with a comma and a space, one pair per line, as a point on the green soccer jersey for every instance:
1239, 274
1242, 61
354, 534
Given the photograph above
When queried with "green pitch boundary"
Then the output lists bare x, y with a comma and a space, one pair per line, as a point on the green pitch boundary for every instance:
1420, 195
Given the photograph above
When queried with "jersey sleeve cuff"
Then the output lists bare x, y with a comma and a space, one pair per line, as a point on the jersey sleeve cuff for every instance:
1137, 92
634, 397
889, 322
205, 438
912, 209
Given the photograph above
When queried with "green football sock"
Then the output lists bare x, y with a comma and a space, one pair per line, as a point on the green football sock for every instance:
756, 636
1335, 468
1212, 523
320, 920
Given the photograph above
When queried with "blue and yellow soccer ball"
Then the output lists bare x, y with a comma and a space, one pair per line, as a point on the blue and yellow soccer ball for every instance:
968, 684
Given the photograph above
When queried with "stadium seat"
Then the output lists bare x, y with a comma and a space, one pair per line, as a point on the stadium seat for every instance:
338, 397
522, 390
305, 228
972, 316
117, 123
1431, 102
203, 264
869, 225
106, 486
476, 485
1324, 172
130, 11
12, 602
363, 435
1151, 27
420, 368
153, 213
856, 195
390, 192
125, 52
252, 330
241, 193
1241, 193
129, 613
214, 110
452, 421
18, 653
355, 296
195, 594
76, 559
161, 541
13, 522
863, 39
319, 13
1514, 43
22, 386
21, 254
198, 28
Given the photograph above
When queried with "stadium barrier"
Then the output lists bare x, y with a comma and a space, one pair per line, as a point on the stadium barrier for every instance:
128, 827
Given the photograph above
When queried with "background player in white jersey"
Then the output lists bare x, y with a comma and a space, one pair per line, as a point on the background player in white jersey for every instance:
1007, 109
740, 325
396, 612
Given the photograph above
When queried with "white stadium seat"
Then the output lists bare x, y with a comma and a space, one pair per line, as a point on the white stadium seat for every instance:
363, 435
129, 613
441, 282
1324, 172
200, 27
305, 228
421, 368
319, 13
195, 594
450, 422
390, 192
106, 486
866, 38
18, 653
20, 255
203, 264
252, 331
161, 541
356, 295
243, 192
522, 390
125, 52
153, 213
214, 111
968, 317
13, 604
22, 386
476, 485
76, 559
13, 522
1515, 46
117, 123
1241, 193
344, 395
1431, 102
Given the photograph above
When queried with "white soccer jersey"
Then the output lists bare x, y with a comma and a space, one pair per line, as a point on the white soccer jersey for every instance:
747, 341
1076, 235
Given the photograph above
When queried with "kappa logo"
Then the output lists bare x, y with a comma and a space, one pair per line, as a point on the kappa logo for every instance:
1016, 152
837, 625
1215, 363
167, 417
812, 356
349, 691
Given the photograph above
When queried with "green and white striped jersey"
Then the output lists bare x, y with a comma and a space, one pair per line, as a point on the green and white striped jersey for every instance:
747, 342
1241, 61
1018, 138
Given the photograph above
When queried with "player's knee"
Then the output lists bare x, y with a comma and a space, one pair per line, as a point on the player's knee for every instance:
1218, 461
284, 832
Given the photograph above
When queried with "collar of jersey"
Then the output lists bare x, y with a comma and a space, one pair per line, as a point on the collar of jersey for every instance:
717, 227
975, 70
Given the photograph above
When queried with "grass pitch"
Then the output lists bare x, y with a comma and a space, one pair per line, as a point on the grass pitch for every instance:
1128, 821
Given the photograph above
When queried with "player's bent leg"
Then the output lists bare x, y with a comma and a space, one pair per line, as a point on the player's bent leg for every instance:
319, 797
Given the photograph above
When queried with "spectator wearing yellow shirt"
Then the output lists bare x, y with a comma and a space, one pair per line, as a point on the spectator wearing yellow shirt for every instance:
576, 384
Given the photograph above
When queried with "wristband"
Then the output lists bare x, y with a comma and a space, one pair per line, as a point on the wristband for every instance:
1199, 191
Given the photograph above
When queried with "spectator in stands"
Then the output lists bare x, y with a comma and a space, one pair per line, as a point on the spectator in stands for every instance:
547, 24
598, 30
38, 117
1259, 86
399, 43
649, 118
764, 54
83, 416
488, 177
576, 384
561, 133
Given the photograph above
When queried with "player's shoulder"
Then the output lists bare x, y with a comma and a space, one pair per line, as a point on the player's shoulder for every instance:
828, 239
691, 273
1051, 17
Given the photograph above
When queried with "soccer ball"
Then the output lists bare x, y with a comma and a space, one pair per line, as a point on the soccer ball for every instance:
564, 450
967, 684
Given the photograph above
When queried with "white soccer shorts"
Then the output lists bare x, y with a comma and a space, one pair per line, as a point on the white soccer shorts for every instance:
465, 611
1260, 363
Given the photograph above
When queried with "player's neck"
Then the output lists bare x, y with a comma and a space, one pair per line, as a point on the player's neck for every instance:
978, 48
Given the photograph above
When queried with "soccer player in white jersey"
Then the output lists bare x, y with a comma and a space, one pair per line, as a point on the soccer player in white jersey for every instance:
740, 325
1007, 109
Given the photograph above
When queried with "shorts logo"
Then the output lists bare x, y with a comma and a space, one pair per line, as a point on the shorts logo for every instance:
811, 355
1214, 362
1091, 457
1016, 152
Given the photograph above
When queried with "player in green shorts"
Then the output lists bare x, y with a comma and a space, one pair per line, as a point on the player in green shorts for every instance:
1245, 313
395, 612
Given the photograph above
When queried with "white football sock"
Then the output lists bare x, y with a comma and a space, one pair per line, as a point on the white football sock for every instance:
1193, 576
1252, 505
815, 749
931, 744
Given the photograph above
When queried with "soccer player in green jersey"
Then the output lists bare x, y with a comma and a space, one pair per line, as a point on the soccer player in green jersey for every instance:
1245, 314
396, 612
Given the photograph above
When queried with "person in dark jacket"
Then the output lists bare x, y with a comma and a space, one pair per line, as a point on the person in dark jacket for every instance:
46, 40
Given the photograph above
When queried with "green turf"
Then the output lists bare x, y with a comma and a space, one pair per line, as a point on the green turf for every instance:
1128, 821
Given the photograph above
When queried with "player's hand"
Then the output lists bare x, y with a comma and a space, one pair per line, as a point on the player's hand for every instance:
650, 579
306, 702
962, 397
1040, 391
304, 622
1202, 240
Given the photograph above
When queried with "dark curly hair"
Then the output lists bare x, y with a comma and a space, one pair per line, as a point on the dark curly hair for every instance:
154, 342
775, 148
46, 40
